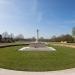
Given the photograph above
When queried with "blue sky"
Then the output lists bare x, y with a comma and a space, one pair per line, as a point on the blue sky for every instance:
51, 17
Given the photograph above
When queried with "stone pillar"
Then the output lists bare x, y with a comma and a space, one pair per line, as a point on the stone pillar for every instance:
37, 38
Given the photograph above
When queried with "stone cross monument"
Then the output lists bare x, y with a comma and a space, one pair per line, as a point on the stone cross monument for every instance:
37, 46
37, 38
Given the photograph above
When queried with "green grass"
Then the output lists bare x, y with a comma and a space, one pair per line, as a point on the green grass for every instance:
11, 58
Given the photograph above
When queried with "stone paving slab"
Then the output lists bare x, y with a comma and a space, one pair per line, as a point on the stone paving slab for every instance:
61, 72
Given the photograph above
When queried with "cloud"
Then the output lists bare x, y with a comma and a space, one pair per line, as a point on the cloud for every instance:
70, 22
3, 2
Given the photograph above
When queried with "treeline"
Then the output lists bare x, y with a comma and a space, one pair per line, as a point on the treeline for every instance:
9, 38
63, 38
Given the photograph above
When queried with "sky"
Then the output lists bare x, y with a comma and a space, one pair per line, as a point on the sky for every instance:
51, 17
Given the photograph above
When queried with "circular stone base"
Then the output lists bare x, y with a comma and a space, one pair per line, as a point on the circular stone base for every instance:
37, 49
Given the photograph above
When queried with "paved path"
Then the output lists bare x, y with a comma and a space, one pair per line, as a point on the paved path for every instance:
62, 72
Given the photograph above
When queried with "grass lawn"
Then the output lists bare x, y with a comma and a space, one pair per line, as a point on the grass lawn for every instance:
62, 58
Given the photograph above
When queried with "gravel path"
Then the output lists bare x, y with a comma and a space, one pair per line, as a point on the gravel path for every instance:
62, 72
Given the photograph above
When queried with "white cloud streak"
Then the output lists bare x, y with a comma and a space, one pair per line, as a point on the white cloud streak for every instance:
70, 22
4, 2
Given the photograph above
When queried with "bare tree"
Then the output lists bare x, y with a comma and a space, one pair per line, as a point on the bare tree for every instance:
0, 37
11, 36
5, 35
73, 32
19, 37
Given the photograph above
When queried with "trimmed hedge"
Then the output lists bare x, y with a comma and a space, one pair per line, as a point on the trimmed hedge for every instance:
3, 46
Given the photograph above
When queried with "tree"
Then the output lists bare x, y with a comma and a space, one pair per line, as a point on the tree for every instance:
53, 39
11, 36
67, 38
5, 35
73, 32
41, 39
33, 38
20, 37
8, 38
0, 37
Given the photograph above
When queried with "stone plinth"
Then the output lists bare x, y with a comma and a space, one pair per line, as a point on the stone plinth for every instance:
37, 45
